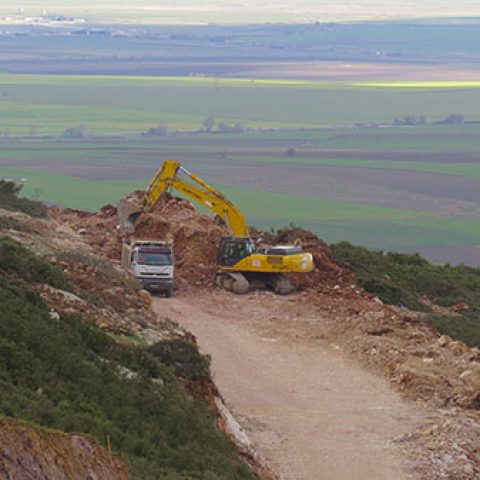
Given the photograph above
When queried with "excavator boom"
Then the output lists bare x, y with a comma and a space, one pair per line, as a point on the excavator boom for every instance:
167, 177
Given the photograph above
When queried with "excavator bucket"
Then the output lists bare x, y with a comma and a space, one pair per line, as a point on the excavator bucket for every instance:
129, 209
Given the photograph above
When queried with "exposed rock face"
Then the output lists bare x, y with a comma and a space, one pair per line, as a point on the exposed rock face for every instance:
27, 453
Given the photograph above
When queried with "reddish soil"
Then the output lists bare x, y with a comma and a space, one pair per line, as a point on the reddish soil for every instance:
30, 453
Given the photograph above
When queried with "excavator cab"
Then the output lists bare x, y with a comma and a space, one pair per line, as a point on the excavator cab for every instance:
232, 250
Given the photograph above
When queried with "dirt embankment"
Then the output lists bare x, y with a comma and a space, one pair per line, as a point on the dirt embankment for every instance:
27, 452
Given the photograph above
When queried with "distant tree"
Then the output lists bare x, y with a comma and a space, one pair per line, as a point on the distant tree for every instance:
291, 152
160, 131
454, 119
224, 127
231, 128
75, 132
410, 120
208, 124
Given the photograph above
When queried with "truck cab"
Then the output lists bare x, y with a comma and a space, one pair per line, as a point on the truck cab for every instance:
150, 263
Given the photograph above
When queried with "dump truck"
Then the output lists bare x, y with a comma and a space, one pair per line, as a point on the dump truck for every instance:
150, 263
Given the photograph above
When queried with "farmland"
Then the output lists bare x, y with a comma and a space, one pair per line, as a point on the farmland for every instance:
374, 158
47, 104
372, 52
407, 188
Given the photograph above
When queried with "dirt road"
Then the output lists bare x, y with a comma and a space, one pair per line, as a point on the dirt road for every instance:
311, 412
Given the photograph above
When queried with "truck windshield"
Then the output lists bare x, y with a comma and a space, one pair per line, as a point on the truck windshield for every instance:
154, 258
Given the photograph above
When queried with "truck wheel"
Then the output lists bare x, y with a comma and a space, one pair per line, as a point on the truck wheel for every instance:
168, 293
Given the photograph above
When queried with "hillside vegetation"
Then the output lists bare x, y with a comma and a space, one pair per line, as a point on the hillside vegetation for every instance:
10, 200
60, 371
407, 280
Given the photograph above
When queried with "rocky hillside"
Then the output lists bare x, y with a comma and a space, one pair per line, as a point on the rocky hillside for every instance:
100, 381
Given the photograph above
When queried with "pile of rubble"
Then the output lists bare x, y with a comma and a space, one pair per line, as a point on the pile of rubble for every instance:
447, 448
328, 276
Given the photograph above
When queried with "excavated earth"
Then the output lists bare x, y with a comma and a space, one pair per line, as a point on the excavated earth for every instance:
30, 453
196, 238
434, 371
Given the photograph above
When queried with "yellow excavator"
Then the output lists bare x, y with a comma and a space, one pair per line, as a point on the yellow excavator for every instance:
240, 260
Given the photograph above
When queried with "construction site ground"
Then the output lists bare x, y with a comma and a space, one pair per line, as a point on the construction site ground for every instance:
329, 382
311, 412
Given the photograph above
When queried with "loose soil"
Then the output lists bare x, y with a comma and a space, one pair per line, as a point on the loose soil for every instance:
312, 413
311, 377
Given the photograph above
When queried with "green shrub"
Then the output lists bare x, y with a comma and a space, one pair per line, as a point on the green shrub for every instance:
465, 328
69, 375
183, 357
410, 276
9, 200
404, 279
16, 259
391, 293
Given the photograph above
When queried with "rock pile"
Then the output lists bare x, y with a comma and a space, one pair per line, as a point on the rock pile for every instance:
328, 276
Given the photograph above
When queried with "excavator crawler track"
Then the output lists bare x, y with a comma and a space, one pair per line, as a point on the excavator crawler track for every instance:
232, 281
277, 282
281, 285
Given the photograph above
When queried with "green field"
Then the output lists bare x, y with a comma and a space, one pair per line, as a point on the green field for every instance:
48, 104
332, 220
301, 156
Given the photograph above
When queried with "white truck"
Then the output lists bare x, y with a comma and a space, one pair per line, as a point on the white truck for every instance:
150, 262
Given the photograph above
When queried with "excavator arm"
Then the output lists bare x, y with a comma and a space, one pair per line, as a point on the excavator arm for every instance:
168, 178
